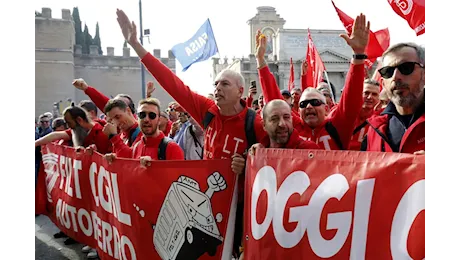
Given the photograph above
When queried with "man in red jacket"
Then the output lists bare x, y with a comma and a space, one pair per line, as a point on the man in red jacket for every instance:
277, 116
330, 133
83, 131
401, 126
153, 141
165, 124
120, 115
225, 117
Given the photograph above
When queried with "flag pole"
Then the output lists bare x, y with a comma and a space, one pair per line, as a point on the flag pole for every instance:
329, 84
142, 43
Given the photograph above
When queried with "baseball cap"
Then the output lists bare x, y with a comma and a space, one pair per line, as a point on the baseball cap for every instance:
285, 92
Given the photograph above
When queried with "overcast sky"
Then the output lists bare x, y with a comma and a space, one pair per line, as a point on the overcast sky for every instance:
172, 22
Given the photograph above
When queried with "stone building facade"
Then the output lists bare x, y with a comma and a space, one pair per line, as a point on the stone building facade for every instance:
282, 44
58, 61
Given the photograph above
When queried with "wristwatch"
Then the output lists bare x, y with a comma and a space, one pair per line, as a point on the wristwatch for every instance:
359, 56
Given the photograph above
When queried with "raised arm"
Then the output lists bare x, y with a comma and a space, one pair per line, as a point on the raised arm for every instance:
351, 101
97, 97
121, 149
268, 83
195, 104
52, 137
303, 75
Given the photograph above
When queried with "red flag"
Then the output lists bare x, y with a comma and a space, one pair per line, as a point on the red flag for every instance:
316, 66
378, 41
413, 11
291, 78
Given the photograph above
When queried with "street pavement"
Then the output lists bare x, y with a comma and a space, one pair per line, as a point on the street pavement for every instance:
49, 248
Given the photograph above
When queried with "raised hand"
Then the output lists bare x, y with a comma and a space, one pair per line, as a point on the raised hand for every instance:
304, 67
109, 129
359, 35
80, 84
128, 28
238, 164
216, 182
146, 161
110, 157
261, 45
150, 88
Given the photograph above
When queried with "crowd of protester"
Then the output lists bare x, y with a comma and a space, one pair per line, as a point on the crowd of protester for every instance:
225, 124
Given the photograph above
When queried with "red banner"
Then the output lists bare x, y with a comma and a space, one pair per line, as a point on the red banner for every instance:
304, 204
170, 210
413, 11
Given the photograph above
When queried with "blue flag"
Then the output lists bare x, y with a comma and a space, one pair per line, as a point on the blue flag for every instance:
200, 47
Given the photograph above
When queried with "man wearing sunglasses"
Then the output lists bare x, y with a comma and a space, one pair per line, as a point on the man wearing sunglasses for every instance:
334, 132
153, 144
401, 126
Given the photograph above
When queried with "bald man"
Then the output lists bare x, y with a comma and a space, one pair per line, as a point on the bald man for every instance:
277, 119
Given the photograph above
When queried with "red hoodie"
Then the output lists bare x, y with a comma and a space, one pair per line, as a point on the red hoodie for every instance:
122, 142
342, 120
168, 128
295, 142
147, 146
225, 135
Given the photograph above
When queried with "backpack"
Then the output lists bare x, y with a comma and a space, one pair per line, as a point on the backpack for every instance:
133, 136
195, 140
248, 125
162, 148
332, 131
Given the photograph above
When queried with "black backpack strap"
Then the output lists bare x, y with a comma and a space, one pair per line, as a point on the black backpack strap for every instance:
332, 131
133, 136
162, 148
249, 127
207, 119
192, 133
358, 128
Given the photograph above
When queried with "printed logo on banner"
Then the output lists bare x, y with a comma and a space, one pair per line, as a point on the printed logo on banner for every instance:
185, 227
90, 201
50, 162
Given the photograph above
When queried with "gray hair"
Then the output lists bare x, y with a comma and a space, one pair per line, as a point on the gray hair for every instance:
418, 49
372, 82
314, 90
236, 75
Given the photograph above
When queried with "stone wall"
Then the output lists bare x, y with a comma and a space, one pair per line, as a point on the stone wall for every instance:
58, 61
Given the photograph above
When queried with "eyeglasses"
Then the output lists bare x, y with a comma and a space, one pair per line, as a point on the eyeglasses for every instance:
313, 102
151, 115
405, 68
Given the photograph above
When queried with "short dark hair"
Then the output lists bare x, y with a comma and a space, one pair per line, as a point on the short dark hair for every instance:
131, 103
76, 112
420, 50
88, 105
113, 103
58, 122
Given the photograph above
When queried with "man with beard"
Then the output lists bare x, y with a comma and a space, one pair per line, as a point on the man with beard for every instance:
401, 126
83, 131
277, 118
153, 144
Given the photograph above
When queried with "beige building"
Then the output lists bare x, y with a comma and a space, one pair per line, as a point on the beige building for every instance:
282, 44
58, 61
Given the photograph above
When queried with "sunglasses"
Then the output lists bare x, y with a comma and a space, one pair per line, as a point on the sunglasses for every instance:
405, 68
151, 115
313, 102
